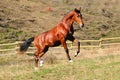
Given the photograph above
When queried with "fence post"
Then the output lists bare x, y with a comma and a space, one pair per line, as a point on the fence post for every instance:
100, 50
17, 47
100, 44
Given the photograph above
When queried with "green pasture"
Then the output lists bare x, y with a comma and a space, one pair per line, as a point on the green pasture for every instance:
99, 68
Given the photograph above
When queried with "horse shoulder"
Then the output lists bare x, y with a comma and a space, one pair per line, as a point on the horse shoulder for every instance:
62, 30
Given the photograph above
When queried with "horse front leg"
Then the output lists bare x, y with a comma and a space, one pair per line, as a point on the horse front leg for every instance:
73, 39
67, 51
78, 43
63, 42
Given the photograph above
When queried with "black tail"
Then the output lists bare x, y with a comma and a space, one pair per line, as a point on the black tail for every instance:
24, 46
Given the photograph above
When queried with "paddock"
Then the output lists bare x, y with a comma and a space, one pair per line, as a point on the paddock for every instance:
93, 63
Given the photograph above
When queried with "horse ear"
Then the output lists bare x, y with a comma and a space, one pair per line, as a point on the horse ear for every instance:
77, 10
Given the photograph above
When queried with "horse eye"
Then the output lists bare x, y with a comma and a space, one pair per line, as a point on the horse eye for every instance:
77, 15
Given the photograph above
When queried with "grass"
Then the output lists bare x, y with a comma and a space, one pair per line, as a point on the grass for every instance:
98, 68
18, 26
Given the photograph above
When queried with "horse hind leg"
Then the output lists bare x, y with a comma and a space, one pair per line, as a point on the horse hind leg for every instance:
38, 55
36, 61
41, 60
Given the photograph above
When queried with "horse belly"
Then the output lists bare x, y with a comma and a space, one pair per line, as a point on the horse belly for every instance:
52, 41
57, 43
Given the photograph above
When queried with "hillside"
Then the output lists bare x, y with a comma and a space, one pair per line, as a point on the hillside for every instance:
20, 19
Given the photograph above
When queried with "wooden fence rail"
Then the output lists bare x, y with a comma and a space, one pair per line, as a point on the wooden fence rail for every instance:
100, 44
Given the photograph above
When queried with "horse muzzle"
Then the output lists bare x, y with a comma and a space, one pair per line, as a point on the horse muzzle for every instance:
81, 25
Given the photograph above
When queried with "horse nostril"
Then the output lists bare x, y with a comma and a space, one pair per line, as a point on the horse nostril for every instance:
82, 25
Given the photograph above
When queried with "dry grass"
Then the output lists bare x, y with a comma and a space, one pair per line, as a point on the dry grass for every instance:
20, 19
91, 64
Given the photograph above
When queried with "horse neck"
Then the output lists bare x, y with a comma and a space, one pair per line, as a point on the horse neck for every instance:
67, 20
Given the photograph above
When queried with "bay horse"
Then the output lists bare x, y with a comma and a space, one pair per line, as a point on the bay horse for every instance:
62, 32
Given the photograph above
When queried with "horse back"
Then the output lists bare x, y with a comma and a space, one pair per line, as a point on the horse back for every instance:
51, 37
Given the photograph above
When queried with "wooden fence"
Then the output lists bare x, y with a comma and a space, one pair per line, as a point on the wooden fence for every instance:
101, 42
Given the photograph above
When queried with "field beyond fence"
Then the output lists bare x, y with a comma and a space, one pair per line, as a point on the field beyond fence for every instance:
93, 63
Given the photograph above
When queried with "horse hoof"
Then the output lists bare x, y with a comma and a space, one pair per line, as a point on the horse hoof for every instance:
36, 68
76, 54
41, 63
70, 61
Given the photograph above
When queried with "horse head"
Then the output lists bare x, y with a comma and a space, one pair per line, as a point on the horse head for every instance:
77, 17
